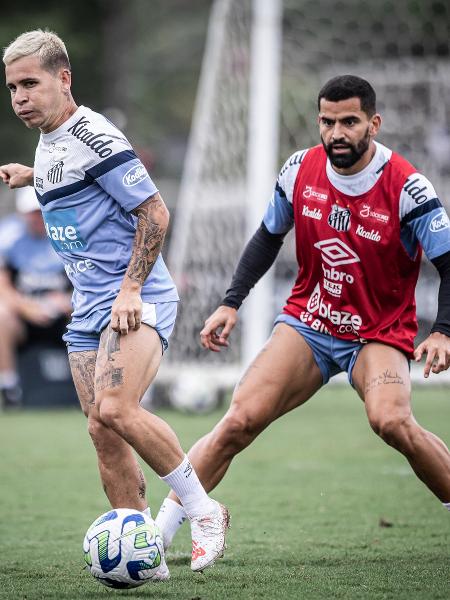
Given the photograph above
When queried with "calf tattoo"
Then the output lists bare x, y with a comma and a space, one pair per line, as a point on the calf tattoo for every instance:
385, 378
142, 485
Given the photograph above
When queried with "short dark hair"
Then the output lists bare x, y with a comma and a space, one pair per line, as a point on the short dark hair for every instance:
344, 87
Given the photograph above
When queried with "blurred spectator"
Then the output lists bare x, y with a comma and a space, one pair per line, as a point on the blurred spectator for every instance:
35, 292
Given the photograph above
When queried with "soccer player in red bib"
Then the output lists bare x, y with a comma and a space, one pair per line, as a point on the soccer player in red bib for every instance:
362, 215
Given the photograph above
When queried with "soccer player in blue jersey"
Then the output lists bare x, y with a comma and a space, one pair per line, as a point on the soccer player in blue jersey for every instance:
106, 220
34, 290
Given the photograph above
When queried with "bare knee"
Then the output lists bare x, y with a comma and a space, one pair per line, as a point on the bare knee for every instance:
236, 431
113, 416
395, 428
107, 442
98, 431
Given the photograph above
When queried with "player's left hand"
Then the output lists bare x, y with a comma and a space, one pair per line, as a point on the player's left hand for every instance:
126, 312
437, 349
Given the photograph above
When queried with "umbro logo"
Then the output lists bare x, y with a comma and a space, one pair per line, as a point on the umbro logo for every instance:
335, 252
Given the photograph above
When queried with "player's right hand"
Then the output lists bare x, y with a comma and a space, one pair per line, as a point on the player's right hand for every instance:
16, 175
217, 329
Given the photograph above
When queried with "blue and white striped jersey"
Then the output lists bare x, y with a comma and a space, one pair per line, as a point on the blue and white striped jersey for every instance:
88, 180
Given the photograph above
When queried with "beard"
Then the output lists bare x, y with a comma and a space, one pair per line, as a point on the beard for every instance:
355, 151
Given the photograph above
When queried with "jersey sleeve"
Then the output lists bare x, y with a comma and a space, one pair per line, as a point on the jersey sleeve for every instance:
423, 219
279, 215
123, 176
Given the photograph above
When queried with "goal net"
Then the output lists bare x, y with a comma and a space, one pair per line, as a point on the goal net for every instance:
402, 47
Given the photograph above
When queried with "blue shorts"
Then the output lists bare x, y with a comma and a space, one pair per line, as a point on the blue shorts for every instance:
85, 334
332, 355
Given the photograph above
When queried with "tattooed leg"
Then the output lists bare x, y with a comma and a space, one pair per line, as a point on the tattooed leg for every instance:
126, 365
122, 478
381, 376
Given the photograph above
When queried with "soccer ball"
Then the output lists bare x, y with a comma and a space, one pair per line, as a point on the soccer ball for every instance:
123, 548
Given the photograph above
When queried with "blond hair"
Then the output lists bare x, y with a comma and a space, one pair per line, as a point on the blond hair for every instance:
50, 49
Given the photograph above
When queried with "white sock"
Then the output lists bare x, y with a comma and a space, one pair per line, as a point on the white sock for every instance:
148, 512
186, 485
169, 519
446, 505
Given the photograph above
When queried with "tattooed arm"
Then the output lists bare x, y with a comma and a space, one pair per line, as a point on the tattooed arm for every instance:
153, 219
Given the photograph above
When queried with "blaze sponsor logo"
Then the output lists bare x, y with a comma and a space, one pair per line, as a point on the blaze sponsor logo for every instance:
79, 266
314, 323
314, 299
335, 252
314, 213
339, 218
417, 193
369, 235
315, 193
63, 230
377, 214
97, 142
134, 175
439, 222
345, 321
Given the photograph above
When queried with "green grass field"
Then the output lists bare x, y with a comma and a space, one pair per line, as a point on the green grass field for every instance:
306, 502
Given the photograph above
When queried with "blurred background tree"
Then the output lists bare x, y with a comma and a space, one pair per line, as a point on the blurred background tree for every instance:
137, 61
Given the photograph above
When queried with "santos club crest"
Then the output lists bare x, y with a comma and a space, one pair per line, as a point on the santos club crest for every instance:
339, 218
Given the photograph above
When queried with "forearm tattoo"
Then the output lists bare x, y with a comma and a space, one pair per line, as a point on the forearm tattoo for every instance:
148, 240
385, 378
